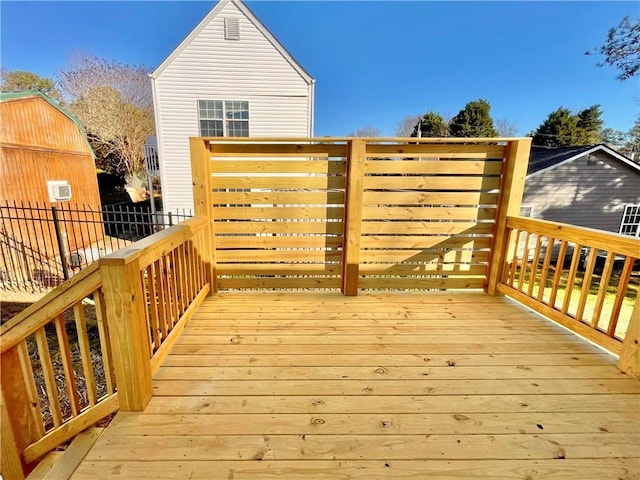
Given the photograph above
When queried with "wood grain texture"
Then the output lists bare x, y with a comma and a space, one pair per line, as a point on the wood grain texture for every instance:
382, 385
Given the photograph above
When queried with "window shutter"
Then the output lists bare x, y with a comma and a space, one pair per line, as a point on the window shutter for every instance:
231, 29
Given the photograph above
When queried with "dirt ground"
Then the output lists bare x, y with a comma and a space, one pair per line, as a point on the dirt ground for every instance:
12, 303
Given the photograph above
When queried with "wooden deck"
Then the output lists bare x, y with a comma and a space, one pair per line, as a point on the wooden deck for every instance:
430, 385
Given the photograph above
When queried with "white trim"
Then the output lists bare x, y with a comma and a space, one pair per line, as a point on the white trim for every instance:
253, 19
311, 108
604, 148
623, 224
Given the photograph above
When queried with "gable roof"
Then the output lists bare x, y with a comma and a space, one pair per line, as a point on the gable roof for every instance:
253, 19
543, 159
24, 94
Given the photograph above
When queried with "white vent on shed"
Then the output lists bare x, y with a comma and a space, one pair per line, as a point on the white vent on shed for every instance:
59, 191
232, 29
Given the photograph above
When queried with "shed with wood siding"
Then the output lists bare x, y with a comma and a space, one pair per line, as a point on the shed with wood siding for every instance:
40, 142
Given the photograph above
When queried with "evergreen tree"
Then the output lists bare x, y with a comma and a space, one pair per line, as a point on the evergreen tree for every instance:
431, 124
590, 125
560, 129
19, 80
473, 120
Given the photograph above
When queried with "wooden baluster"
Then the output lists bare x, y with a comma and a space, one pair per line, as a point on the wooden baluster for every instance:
621, 292
602, 289
153, 306
49, 376
105, 345
575, 260
30, 386
67, 365
558, 273
545, 267
524, 261
534, 265
162, 296
586, 283
85, 353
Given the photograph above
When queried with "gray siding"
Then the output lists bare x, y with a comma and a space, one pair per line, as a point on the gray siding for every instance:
213, 68
590, 191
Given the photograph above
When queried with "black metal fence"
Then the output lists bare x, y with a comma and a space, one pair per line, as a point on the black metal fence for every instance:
41, 246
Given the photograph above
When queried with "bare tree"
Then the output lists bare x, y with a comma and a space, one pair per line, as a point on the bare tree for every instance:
407, 125
114, 103
506, 128
367, 131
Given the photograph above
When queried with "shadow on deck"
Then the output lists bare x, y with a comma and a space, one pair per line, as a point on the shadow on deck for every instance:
430, 385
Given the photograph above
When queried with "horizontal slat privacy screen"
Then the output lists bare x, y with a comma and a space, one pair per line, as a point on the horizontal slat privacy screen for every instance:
417, 215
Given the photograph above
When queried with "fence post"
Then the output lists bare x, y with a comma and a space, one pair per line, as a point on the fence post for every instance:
353, 216
203, 203
128, 331
629, 361
514, 172
61, 249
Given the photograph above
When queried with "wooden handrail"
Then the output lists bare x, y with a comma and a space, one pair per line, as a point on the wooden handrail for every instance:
143, 295
528, 265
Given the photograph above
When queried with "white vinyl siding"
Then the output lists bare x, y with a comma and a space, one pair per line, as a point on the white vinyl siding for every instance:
210, 67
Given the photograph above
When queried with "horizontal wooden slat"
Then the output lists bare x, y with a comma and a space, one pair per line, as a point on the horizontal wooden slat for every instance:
261, 212
437, 183
427, 213
422, 227
278, 198
302, 255
611, 242
282, 166
434, 166
423, 241
450, 269
279, 241
321, 269
320, 182
429, 198
288, 282
412, 282
447, 256
278, 149
443, 151
279, 227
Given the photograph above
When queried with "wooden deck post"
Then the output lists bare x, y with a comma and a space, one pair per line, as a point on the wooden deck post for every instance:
202, 202
514, 172
18, 427
128, 332
353, 216
629, 361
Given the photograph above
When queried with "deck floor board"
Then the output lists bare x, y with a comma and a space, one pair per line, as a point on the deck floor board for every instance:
430, 385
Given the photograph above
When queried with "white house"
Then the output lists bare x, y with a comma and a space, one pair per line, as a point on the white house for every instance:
229, 77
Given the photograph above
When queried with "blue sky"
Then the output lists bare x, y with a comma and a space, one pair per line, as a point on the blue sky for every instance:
374, 62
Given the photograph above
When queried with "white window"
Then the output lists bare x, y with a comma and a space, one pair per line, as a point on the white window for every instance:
228, 118
526, 210
630, 224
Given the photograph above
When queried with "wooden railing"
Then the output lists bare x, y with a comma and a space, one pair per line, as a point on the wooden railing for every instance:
357, 213
93, 343
578, 277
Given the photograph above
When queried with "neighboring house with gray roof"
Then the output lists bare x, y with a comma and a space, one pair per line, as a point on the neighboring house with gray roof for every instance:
592, 186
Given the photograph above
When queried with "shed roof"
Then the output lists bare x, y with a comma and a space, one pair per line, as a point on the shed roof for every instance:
546, 158
24, 94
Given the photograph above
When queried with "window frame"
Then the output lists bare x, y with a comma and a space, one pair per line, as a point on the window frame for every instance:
632, 212
227, 109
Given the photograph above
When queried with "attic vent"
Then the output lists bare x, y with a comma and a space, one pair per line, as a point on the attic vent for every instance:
231, 29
